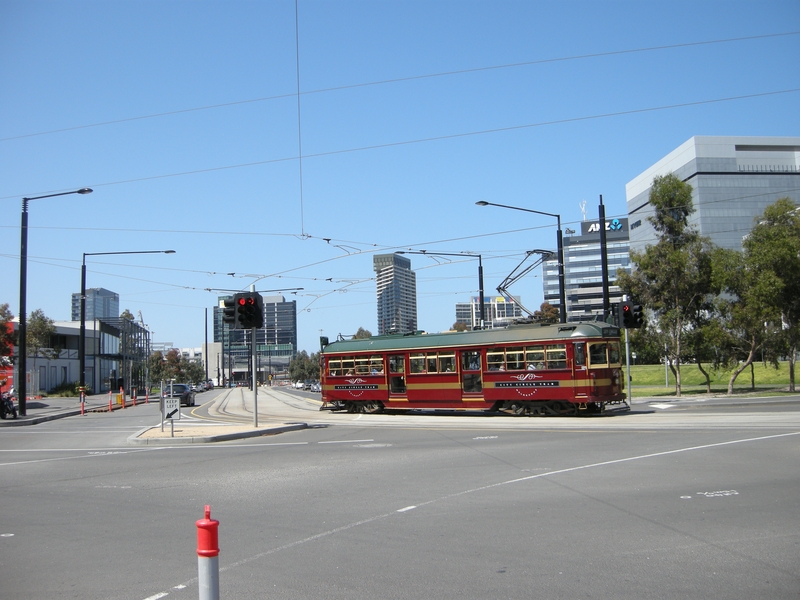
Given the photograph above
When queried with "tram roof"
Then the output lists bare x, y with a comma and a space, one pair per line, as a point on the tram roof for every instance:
518, 333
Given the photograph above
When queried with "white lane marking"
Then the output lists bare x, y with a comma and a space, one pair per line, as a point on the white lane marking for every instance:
406, 509
661, 406
6, 535
486, 437
157, 596
90, 455
345, 441
718, 494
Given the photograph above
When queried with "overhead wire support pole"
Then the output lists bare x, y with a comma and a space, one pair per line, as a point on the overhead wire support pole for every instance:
562, 296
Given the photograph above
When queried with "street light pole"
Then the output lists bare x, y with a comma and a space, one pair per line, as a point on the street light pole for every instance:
562, 296
82, 338
22, 392
464, 255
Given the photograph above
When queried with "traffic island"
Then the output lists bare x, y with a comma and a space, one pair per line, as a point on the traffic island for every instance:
180, 434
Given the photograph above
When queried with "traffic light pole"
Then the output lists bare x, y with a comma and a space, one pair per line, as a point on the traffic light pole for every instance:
255, 375
628, 367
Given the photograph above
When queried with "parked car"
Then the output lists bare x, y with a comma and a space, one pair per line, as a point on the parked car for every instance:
298, 385
316, 386
182, 391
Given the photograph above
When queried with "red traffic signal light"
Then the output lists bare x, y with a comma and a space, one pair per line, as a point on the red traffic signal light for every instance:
631, 316
249, 310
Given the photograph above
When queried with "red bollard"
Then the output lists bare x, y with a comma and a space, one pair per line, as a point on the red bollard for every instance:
208, 556
110, 407
147, 397
122, 395
83, 404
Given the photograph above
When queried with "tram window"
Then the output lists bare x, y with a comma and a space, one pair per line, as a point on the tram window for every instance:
597, 355
470, 361
335, 366
496, 360
613, 353
580, 354
417, 362
514, 359
534, 357
348, 366
557, 356
447, 363
362, 365
397, 363
431, 363
376, 364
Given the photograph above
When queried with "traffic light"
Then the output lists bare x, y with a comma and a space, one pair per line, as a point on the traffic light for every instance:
625, 314
249, 310
229, 311
637, 316
631, 315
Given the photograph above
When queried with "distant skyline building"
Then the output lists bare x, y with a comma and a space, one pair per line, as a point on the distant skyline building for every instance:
583, 272
499, 311
733, 179
396, 294
100, 304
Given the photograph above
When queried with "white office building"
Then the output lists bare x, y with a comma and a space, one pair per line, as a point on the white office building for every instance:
733, 180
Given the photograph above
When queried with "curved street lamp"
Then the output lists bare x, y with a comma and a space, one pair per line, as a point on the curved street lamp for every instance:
21, 385
562, 298
82, 339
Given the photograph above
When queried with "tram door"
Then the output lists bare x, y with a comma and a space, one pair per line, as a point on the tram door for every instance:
471, 372
397, 375
580, 373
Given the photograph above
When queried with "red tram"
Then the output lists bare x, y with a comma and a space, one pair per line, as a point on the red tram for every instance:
525, 369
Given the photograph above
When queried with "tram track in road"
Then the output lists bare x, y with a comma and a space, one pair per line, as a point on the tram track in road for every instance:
232, 406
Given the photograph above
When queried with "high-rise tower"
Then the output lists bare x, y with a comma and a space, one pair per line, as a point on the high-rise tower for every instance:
397, 294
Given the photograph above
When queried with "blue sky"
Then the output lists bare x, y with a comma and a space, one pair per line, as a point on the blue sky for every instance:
185, 119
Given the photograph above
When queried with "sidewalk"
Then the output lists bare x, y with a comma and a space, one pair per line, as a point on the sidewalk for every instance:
180, 431
47, 409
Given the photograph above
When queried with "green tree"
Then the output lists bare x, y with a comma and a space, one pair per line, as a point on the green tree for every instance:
761, 308
746, 309
303, 366
7, 337
127, 315
194, 371
362, 334
673, 277
156, 366
459, 326
774, 244
547, 313
40, 332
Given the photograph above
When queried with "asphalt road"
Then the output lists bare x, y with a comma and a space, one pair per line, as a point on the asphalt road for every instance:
681, 502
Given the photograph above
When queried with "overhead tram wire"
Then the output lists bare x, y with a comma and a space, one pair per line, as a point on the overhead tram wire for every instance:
404, 79
451, 136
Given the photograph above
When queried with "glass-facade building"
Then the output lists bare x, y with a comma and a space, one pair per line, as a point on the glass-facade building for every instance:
396, 294
100, 304
583, 270
733, 180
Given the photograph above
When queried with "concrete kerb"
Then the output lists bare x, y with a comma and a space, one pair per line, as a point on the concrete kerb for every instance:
234, 432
